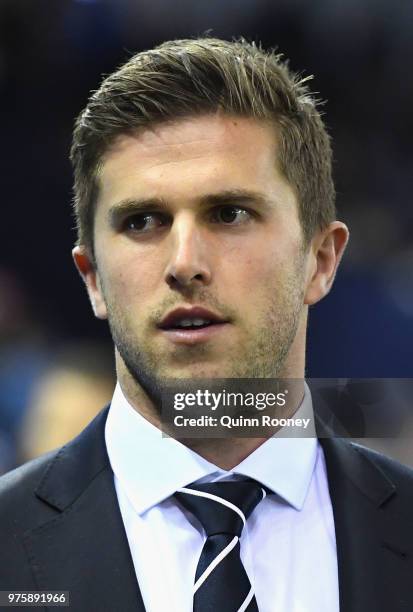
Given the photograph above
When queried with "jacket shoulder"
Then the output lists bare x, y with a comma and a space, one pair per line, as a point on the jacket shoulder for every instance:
17, 487
384, 460
21, 511
400, 474
58, 475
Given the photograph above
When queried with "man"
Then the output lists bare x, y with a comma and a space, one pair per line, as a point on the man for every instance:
206, 222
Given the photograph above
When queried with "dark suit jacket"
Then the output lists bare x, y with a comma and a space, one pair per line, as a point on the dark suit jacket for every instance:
61, 528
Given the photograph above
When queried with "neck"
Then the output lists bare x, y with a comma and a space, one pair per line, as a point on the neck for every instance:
225, 452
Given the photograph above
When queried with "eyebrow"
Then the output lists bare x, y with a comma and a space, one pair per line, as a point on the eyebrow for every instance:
239, 197
133, 206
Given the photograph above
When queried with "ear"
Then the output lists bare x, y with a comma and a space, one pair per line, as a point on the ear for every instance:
88, 272
326, 251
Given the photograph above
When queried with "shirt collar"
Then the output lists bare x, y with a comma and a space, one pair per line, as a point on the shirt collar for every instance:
151, 467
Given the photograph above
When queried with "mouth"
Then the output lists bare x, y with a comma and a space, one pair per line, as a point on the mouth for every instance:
191, 325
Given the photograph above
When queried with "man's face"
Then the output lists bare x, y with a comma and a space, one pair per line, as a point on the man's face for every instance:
196, 214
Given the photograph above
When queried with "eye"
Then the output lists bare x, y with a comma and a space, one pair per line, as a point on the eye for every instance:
231, 215
144, 222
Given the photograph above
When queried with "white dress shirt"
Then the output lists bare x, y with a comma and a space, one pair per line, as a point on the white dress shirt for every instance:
288, 545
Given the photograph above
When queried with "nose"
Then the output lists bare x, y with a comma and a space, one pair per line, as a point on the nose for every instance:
188, 263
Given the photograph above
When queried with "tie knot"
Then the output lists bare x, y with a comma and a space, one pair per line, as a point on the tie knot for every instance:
222, 507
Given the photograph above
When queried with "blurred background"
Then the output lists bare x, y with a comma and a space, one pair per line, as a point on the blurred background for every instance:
55, 358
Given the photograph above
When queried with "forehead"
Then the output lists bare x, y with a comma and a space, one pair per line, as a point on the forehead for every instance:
192, 154
197, 134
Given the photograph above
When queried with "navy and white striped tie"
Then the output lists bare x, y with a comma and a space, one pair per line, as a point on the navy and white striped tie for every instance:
222, 508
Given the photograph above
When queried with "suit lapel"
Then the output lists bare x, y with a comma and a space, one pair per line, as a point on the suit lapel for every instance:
84, 548
374, 565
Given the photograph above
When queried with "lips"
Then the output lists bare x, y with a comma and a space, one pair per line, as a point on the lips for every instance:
192, 318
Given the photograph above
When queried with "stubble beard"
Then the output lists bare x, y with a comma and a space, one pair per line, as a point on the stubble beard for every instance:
263, 356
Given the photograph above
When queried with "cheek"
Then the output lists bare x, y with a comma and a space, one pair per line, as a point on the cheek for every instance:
260, 279
128, 279
253, 267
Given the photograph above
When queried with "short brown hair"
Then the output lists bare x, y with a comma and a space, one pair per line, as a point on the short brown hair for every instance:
192, 77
